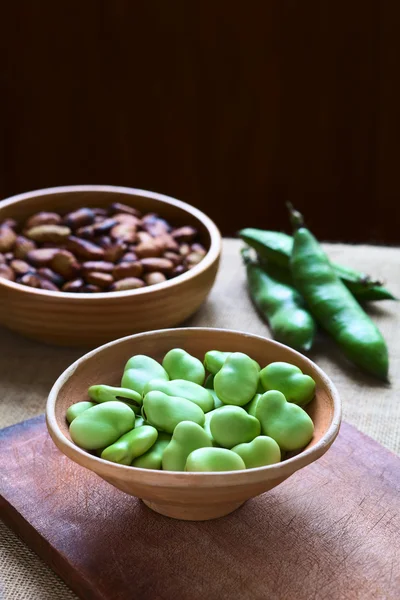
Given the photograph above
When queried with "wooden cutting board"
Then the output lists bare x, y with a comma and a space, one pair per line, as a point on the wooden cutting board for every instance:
331, 531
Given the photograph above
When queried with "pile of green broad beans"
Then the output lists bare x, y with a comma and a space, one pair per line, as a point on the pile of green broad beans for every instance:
296, 288
225, 413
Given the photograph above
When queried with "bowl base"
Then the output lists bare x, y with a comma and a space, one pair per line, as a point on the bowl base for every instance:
193, 512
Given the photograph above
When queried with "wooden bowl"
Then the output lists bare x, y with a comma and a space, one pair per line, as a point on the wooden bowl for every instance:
93, 319
191, 496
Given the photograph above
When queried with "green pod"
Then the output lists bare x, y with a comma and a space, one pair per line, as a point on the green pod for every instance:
179, 364
288, 424
165, 412
76, 409
102, 425
232, 425
106, 393
262, 451
237, 381
280, 305
187, 436
276, 248
214, 459
288, 379
139, 370
183, 389
131, 445
152, 459
333, 305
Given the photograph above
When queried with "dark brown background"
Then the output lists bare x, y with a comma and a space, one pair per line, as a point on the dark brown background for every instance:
234, 107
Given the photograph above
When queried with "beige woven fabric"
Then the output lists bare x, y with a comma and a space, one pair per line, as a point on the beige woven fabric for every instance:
28, 369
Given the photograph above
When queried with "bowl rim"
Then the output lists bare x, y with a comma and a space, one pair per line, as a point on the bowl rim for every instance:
187, 479
212, 255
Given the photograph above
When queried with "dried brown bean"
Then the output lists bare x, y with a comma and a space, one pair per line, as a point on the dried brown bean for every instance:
104, 241
118, 207
154, 225
167, 242
176, 259
102, 280
75, 285
56, 234
6, 272
20, 267
148, 250
194, 258
184, 234
43, 218
79, 218
9, 256
86, 232
41, 257
131, 283
7, 238
84, 249
31, 280
143, 237
157, 264
100, 266
2, 259
12, 223
115, 252
129, 257
100, 212
104, 226
184, 249
126, 232
179, 270
23, 246
89, 288
65, 264
52, 276
198, 248
154, 278
46, 284
127, 269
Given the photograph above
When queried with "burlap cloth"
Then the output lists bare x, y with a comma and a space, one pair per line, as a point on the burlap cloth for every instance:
28, 369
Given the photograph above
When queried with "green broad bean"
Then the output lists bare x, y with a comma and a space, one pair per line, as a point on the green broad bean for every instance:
183, 389
214, 459
231, 425
209, 385
290, 380
214, 359
252, 405
139, 421
102, 425
105, 393
262, 451
76, 409
152, 459
288, 424
237, 381
165, 412
179, 364
131, 445
139, 370
187, 436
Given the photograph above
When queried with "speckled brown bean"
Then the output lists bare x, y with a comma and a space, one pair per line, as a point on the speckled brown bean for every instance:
100, 266
115, 252
125, 232
168, 243
7, 238
6, 272
153, 278
79, 218
75, 285
49, 275
23, 246
184, 234
118, 207
176, 259
127, 269
20, 267
102, 280
56, 234
31, 280
65, 264
125, 219
84, 249
148, 250
41, 257
131, 283
154, 225
163, 265
43, 218
45, 284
